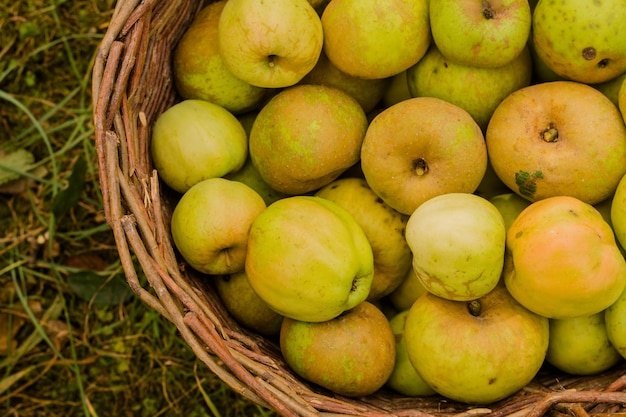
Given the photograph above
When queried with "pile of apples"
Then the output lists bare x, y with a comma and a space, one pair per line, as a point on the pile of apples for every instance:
427, 195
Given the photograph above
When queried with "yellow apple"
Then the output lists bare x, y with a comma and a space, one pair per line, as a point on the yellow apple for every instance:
309, 259
199, 72
375, 39
409, 290
383, 226
210, 225
458, 241
420, 148
270, 43
195, 140
478, 351
615, 322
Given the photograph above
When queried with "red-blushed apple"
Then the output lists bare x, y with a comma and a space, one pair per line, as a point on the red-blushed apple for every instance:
542, 142
565, 44
581, 346
210, 225
270, 43
478, 351
199, 72
194, 140
478, 90
420, 148
562, 259
482, 33
458, 242
375, 39
306, 136
309, 259
351, 355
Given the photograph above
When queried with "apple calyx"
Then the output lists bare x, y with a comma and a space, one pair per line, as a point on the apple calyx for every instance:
420, 167
271, 60
488, 11
474, 307
551, 134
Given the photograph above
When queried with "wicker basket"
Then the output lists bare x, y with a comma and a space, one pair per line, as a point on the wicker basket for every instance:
132, 86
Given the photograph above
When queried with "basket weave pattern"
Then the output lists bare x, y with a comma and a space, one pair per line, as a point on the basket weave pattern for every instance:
132, 86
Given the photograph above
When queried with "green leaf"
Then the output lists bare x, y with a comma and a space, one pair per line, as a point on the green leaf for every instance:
102, 289
67, 198
12, 163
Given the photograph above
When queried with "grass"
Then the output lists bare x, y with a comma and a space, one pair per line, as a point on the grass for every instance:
73, 340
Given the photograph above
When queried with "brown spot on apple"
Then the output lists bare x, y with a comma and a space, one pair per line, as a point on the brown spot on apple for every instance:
589, 53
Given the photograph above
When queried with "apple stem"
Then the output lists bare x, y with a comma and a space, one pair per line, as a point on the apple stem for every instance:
488, 12
550, 134
474, 308
420, 166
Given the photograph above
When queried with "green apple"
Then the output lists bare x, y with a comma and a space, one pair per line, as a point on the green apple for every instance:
270, 43
245, 306
604, 208
611, 88
491, 185
375, 39
404, 379
306, 136
210, 225
368, 92
478, 32
541, 71
458, 241
351, 355
194, 140
309, 259
251, 176
564, 41
420, 148
409, 290
383, 226
618, 212
199, 72
478, 351
581, 346
476, 89
397, 91
621, 100
510, 205
615, 322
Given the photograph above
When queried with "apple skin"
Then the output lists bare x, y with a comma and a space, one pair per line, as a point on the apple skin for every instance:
397, 91
270, 43
404, 379
245, 306
477, 359
458, 242
479, 33
541, 142
510, 206
383, 226
478, 90
611, 88
199, 72
618, 212
367, 92
309, 259
375, 39
615, 322
210, 225
409, 290
194, 140
351, 355
564, 42
420, 148
562, 259
581, 345
306, 136
621, 100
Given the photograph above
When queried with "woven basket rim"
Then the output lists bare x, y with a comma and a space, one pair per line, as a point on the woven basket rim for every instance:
132, 85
